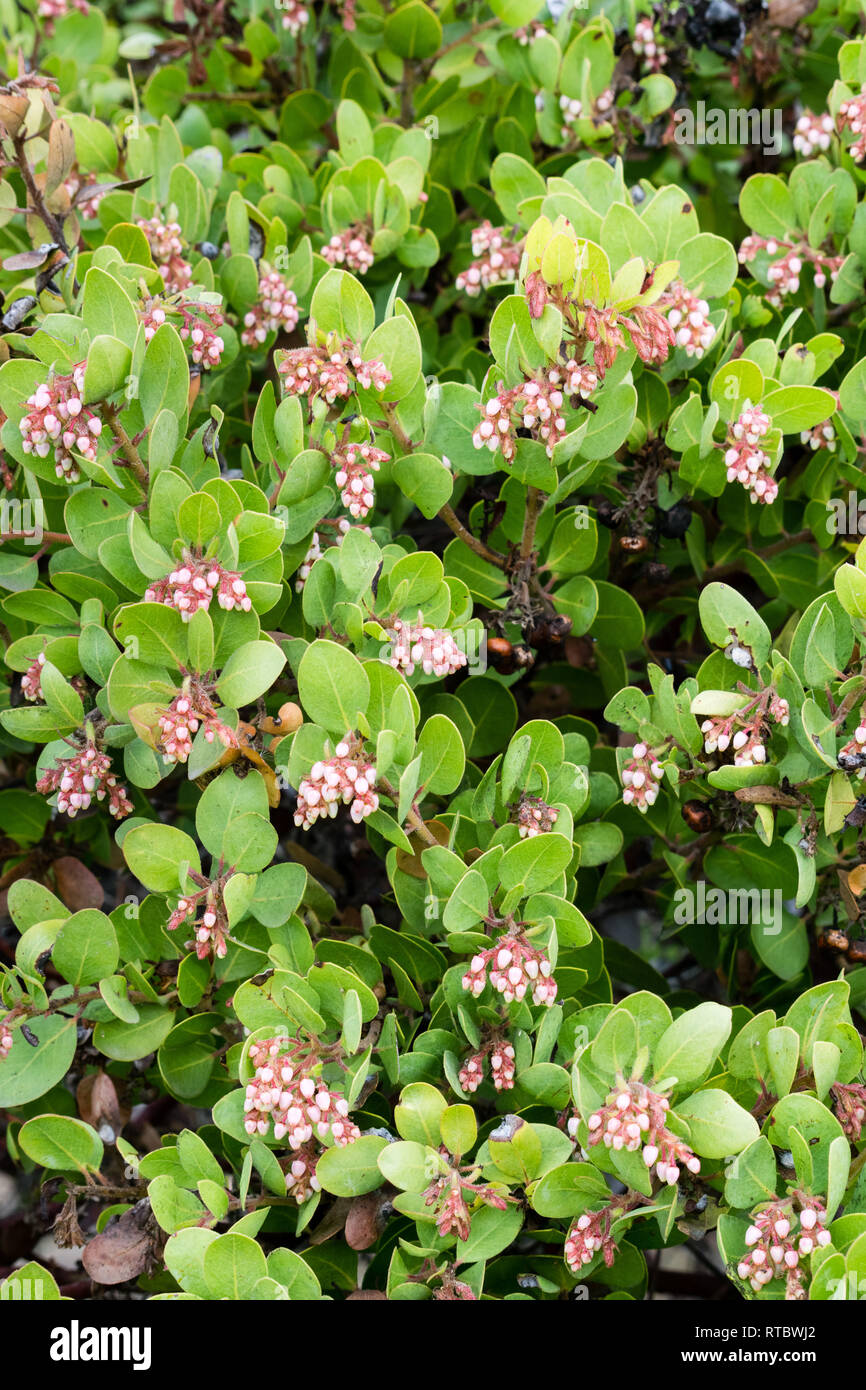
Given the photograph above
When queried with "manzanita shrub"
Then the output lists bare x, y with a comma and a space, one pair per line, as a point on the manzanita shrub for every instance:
434, 702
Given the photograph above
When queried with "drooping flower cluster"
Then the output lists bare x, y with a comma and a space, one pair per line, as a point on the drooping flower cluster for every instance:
852, 116
296, 16
58, 419
301, 1180
206, 911
31, 681
651, 333
634, 1117
784, 273
275, 309
647, 44
744, 730
497, 260
447, 1194
193, 584
288, 1092
746, 462
534, 817
50, 10
587, 1235
525, 38
536, 405
166, 248
850, 1107
640, 777
6, 1041
690, 319
779, 1238
77, 780
355, 465
347, 777
197, 325
433, 649
515, 967
180, 721
331, 372
821, 436
571, 110
500, 1054
812, 134
350, 248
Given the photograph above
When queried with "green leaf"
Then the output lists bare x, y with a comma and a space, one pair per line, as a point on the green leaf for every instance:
57, 1141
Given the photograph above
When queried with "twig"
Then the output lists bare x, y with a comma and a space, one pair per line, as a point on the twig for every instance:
132, 458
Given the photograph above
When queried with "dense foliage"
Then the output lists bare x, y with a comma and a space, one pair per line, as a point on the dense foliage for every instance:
434, 698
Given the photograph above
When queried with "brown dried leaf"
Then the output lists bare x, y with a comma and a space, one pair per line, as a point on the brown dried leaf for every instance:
61, 155
364, 1221
77, 887
857, 880
786, 14
66, 1229
125, 1249
98, 1104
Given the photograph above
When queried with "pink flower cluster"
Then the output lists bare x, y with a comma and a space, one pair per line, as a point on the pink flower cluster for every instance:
31, 681
59, 419
347, 777
447, 1193
774, 1246
296, 16
166, 247
56, 9
535, 817
193, 584
785, 273
6, 1041
745, 460
690, 319
850, 1107
571, 109
640, 777
500, 1054
821, 436
651, 333
350, 248
744, 729
634, 1117
275, 309
647, 45
285, 1091
537, 405
812, 133
497, 260
79, 779
589, 1234
356, 464
433, 649
515, 969
852, 116
181, 720
334, 375
301, 1180
197, 326
211, 928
